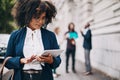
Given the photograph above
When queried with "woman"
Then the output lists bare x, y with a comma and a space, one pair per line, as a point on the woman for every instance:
71, 35
27, 44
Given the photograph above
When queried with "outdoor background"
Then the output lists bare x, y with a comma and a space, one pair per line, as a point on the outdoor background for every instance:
104, 17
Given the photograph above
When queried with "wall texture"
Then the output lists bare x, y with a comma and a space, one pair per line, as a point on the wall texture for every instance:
104, 16
106, 36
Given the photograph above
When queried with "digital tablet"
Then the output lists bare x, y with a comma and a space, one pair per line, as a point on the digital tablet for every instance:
54, 53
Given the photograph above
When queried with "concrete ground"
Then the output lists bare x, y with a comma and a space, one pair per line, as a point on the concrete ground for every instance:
80, 68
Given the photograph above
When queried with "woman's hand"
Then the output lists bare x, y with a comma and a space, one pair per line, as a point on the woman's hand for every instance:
27, 60
46, 58
72, 41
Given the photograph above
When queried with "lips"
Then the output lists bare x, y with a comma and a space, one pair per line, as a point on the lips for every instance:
38, 25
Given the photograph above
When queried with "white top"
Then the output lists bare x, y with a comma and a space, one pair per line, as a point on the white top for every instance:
85, 31
33, 46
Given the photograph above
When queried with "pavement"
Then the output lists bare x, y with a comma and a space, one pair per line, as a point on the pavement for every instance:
80, 68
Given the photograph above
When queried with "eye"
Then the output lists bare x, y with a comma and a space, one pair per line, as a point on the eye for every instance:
43, 17
37, 17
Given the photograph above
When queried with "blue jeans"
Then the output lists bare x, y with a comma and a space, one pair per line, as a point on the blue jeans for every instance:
87, 60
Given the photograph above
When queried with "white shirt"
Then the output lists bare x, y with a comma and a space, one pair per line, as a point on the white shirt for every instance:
85, 31
33, 46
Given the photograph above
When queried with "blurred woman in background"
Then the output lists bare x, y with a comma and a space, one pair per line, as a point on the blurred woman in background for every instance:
70, 36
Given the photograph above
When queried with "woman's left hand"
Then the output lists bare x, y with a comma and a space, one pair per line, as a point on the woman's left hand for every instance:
47, 58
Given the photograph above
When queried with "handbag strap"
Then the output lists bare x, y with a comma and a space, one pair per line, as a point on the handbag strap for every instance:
3, 65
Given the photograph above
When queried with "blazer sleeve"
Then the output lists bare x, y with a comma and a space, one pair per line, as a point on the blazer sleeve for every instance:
14, 62
54, 45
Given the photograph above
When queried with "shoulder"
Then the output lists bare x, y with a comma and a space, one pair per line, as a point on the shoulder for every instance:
48, 32
14, 33
17, 32
89, 30
66, 32
75, 32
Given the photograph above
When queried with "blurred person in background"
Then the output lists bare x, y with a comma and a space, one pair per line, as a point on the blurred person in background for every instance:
87, 45
58, 36
71, 35
59, 40
27, 44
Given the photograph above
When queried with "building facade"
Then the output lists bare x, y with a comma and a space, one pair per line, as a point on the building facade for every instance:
104, 17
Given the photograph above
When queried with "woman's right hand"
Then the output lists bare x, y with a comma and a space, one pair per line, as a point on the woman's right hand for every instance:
27, 60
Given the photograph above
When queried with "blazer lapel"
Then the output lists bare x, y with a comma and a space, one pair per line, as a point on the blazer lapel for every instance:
22, 38
45, 39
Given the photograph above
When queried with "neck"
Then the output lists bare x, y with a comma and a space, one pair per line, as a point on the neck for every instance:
33, 28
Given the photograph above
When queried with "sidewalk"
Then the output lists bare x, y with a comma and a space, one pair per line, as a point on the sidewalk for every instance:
80, 72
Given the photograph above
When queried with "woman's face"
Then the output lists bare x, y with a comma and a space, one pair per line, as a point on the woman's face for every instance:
71, 26
37, 23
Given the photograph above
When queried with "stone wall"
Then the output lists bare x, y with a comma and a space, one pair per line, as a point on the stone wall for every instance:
104, 16
106, 36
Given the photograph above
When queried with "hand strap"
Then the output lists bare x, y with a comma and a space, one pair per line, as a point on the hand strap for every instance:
3, 65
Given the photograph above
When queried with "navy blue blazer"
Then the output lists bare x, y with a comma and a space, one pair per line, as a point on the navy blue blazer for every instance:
15, 49
87, 44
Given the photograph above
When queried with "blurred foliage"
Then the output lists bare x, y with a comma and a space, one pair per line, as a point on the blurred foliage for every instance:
6, 18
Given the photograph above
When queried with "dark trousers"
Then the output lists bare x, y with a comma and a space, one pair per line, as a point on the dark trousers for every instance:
34, 76
72, 53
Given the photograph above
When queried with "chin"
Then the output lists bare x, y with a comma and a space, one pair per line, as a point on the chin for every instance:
38, 27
